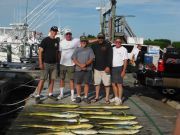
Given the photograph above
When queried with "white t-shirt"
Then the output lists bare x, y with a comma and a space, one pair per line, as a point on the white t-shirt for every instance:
119, 55
135, 52
67, 49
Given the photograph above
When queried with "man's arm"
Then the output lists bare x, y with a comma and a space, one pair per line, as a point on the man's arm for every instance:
109, 59
124, 68
40, 53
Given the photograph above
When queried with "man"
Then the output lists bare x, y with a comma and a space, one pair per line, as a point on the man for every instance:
119, 64
137, 57
102, 66
83, 58
66, 48
48, 52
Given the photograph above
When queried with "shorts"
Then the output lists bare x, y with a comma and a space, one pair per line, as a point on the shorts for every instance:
102, 76
49, 70
67, 70
83, 76
116, 75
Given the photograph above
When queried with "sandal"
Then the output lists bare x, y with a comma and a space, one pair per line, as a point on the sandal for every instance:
107, 102
95, 100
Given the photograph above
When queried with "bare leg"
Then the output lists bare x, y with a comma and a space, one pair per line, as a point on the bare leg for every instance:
120, 90
40, 86
62, 84
115, 89
78, 88
51, 85
71, 83
97, 87
86, 89
107, 88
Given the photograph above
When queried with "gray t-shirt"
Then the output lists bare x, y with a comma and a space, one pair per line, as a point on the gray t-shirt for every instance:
83, 55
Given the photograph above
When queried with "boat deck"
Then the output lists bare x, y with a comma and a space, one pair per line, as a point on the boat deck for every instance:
164, 124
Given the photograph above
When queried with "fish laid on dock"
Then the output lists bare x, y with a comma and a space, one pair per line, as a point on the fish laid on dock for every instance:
119, 123
118, 132
57, 133
57, 105
60, 127
135, 127
58, 115
104, 107
92, 112
69, 120
84, 132
111, 117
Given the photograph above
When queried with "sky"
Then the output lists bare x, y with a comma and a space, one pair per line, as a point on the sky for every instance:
154, 19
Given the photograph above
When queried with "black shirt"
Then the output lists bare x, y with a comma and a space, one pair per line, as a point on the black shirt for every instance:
103, 56
50, 48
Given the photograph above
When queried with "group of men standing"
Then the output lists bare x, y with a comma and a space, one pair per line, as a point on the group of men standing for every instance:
102, 62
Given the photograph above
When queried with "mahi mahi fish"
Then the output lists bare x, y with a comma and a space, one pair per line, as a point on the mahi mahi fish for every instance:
118, 132
84, 132
57, 133
61, 127
104, 107
69, 120
57, 105
58, 115
119, 123
123, 127
111, 117
92, 112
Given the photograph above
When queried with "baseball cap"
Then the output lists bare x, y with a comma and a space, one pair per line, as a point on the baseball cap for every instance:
54, 28
100, 35
67, 31
83, 38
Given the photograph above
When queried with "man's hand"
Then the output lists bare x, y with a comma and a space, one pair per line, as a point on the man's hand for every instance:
123, 73
41, 66
107, 70
82, 65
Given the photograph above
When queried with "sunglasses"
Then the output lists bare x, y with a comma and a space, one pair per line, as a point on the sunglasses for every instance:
100, 37
118, 42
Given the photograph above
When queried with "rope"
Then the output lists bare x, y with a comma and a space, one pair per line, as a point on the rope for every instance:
12, 111
21, 85
148, 116
16, 103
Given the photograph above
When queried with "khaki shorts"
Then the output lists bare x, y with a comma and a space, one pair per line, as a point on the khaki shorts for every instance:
67, 70
102, 76
49, 70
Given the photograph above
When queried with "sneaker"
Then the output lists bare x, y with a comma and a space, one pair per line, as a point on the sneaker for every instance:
52, 97
73, 99
86, 100
112, 100
60, 97
38, 100
118, 102
78, 100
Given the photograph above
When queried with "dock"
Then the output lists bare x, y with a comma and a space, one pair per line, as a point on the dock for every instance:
154, 121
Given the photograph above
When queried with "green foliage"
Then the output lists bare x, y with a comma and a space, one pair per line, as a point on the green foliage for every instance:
176, 44
159, 42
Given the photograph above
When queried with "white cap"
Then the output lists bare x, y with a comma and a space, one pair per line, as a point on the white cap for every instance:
67, 31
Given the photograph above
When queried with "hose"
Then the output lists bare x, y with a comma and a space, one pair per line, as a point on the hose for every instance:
147, 116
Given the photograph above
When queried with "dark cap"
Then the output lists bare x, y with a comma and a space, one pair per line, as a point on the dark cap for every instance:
83, 38
54, 28
101, 35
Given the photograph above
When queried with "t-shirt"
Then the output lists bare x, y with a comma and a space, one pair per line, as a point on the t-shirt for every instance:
103, 56
119, 55
50, 48
83, 55
67, 49
135, 52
